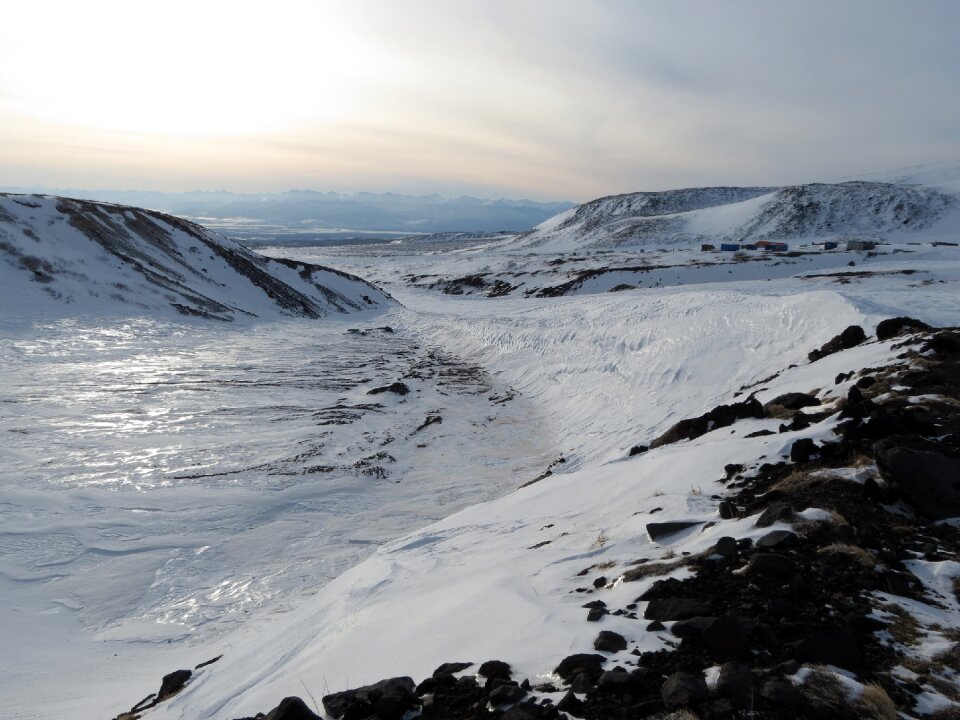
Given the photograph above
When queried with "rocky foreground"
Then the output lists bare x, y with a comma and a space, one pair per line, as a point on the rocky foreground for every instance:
849, 607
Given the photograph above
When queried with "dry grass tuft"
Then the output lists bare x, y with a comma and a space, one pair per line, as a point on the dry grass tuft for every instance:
875, 704
904, 628
853, 552
653, 569
824, 686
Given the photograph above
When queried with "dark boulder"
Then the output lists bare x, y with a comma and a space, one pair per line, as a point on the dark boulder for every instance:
778, 539
891, 327
658, 531
684, 690
451, 668
727, 548
666, 609
836, 647
944, 343
397, 388
779, 406
802, 450
608, 641
292, 708
728, 637
388, 700
727, 510
173, 683
782, 692
720, 416
638, 450
495, 670
693, 628
926, 478
571, 704
774, 512
850, 337
590, 664
736, 683
507, 694
772, 565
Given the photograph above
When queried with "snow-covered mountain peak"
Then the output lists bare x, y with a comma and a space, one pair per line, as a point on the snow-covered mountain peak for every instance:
62, 255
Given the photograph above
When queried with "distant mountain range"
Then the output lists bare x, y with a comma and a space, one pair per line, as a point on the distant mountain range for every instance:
325, 215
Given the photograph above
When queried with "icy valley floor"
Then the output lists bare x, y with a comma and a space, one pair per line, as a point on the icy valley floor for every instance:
173, 491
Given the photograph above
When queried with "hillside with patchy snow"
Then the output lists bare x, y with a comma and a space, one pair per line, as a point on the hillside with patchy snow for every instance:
61, 257
875, 210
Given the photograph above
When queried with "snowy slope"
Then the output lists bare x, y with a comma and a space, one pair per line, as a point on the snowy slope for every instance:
61, 257
496, 581
817, 210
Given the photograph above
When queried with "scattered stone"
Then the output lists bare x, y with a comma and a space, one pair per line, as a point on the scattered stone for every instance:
851, 337
208, 662
599, 582
720, 416
684, 690
778, 540
667, 609
173, 683
397, 388
732, 469
656, 626
608, 641
596, 614
451, 667
570, 703
727, 510
507, 694
775, 512
773, 565
638, 450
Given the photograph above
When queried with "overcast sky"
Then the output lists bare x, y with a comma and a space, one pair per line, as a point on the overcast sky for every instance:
545, 99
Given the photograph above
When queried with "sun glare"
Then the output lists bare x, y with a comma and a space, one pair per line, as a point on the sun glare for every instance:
228, 69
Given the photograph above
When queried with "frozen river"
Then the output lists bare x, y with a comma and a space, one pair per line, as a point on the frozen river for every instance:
166, 481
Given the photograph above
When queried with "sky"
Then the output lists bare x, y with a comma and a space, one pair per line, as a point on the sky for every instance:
546, 99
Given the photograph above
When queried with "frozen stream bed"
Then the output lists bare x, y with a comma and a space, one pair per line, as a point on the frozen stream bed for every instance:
163, 482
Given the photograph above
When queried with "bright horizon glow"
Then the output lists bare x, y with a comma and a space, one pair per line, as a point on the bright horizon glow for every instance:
549, 100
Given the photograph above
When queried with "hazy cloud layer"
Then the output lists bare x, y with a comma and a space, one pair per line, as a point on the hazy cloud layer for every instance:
543, 99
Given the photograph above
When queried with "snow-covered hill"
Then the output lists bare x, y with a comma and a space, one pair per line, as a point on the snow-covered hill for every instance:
816, 210
60, 256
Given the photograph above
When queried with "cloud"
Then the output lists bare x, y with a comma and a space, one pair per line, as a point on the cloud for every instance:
545, 99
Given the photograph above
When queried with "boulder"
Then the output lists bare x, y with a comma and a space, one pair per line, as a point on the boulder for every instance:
397, 388
850, 337
772, 565
658, 531
778, 539
891, 327
836, 647
926, 478
173, 683
495, 670
292, 708
728, 637
507, 694
665, 609
682, 690
802, 450
782, 692
608, 641
590, 664
451, 668
720, 416
780, 405
727, 548
774, 512
388, 699
736, 683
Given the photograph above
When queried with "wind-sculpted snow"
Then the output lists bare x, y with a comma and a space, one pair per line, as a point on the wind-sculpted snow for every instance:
873, 210
63, 257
